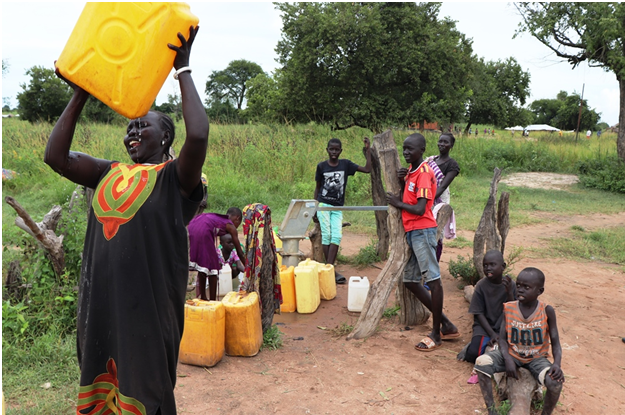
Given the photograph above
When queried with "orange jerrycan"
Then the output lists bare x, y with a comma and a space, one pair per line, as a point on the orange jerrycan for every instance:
118, 52
244, 331
327, 282
287, 281
203, 339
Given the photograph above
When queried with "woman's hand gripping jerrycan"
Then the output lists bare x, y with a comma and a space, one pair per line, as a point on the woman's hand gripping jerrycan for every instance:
118, 52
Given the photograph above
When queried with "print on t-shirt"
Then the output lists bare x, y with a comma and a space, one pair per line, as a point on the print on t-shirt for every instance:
333, 185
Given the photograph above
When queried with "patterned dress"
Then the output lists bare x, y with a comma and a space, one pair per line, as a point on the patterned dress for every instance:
132, 289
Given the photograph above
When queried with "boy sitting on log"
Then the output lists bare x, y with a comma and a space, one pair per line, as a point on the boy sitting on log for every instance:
487, 308
527, 329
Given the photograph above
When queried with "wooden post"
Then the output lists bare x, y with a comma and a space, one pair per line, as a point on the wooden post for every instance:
315, 241
381, 288
503, 219
486, 232
379, 199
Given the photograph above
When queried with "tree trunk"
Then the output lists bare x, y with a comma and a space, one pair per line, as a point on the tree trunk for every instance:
521, 392
315, 241
486, 232
620, 138
381, 288
43, 232
503, 219
412, 311
379, 199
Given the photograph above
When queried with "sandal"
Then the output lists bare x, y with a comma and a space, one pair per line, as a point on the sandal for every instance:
450, 336
429, 343
473, 379
339, 279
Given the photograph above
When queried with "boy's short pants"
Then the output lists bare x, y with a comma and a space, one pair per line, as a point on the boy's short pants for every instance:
422, 261
331, 224
493, 362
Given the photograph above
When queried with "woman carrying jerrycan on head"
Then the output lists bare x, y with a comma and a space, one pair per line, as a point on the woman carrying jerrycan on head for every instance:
135, 259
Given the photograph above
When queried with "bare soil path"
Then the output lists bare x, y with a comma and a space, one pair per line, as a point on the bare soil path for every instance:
317, 373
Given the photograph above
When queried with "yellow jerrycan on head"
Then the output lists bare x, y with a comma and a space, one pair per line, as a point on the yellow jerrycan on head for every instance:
118, 52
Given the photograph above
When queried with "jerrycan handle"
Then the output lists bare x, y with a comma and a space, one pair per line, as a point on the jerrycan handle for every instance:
355, 279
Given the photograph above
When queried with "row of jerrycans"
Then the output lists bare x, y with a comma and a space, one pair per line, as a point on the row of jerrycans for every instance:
211, 328
304, 286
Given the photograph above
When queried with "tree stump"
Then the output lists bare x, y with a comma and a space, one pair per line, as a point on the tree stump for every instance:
503, 218
315, 241
521, 392
378, 196
381, 288
486, 232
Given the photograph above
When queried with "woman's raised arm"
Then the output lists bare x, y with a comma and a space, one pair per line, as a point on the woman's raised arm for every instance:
80, 168
193, 152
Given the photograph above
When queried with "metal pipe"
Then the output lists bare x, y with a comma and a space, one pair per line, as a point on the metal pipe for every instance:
331, 208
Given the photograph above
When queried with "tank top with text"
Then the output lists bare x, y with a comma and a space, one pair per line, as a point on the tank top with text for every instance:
528, 338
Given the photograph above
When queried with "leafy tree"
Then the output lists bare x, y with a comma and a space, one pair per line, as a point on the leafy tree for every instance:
499, 90
45, 97
222, 111
563, 112
96, 110
264, 99
579, 32
230, 84
371, 64
5, 67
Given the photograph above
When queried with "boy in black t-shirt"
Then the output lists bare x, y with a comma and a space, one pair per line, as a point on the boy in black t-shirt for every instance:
487, 307
331, 178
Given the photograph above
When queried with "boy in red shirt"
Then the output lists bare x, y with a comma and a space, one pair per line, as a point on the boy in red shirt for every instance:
420, 225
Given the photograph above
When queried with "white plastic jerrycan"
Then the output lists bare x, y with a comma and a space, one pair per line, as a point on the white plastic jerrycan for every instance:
357, 293
224, 283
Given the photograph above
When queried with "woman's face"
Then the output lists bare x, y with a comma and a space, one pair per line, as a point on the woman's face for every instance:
143, 139
444, 144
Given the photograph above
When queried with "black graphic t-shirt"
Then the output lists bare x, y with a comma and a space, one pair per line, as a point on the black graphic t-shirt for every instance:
333, 181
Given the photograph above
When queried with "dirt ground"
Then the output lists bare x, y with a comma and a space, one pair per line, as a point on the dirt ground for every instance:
317, 373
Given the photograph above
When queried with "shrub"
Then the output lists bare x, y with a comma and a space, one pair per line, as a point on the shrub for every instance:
464, 270
272, 338
607, 173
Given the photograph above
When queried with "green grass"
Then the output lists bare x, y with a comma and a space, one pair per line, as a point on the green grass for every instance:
607, 245
272, 165
272, 338
391, 312
458, 243
31, 364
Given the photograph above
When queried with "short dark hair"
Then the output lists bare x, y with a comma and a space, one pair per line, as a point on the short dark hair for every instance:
235, 211
167, 124
335, 141
451, 138
535, 272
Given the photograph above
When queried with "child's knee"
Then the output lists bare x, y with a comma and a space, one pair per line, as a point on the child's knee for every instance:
552, 385
484, 360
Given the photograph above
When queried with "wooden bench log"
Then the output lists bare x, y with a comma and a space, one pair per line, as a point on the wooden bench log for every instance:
521, 392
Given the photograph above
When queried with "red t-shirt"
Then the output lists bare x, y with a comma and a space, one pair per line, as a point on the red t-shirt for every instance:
419, 183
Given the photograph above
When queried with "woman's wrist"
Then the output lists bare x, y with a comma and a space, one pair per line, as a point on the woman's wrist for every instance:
182, 70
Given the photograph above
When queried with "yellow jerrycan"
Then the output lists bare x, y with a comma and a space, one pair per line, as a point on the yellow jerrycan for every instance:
118, 52
287, 282
327, 282
307, 286
203, 339
244, 331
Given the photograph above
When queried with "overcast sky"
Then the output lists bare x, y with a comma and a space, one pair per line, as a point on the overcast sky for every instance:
35, 34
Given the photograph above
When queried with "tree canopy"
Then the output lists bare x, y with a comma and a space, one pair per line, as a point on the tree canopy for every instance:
371, 64
230, 83
45, 96
583, 32
499, 90
563, 112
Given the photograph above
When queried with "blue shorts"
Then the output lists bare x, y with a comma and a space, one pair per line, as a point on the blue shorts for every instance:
331, 224
422, 262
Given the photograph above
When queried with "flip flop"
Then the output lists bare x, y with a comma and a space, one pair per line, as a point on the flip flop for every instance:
431, 346
450, 336
339, 279
473, 379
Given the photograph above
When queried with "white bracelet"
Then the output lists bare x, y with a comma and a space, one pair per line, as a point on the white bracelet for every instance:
181, 70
